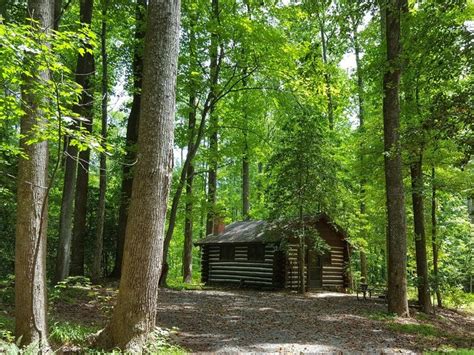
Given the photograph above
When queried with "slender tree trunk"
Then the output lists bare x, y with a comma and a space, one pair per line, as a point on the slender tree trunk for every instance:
63, 257
302, 255
188, 217
327, 77
134, 316
32, 206
58, 7
213, 125
177, 195
416, 171
360, 90
245, 181
99, 240
132, 135
434, 232
397, 243
188, 228
86, 68
84, 71
208, 108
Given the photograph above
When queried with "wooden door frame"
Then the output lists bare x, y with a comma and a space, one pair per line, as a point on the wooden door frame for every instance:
308, 272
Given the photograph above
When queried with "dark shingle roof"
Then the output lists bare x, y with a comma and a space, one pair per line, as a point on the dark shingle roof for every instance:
262, 231
239, 232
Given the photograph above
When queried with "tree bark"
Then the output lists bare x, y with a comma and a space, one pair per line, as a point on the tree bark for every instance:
360, 90
416, 171
397, 244
96, 270
134, 316
245, 181
131, 136
63, 256
213, 126
32, 206
208, 108
434, 232
188, 217
327, 77
86, 69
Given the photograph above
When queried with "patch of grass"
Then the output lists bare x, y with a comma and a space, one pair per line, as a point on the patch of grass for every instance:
381, 316
179, 285
7, 290
420, 329
7, 326
159, 343
67, 333
448, 349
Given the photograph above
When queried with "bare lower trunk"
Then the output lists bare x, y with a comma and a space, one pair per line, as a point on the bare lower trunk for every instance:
85, 68
134, 316
32, 210
213, 127
397, 244
188, 217
360, 90
434, 243
363, 267
132, 135
424, 298
63, 256
188, 228
96, 272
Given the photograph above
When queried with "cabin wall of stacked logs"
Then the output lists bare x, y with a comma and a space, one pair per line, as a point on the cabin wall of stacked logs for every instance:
276, 270
241, 270
333, 270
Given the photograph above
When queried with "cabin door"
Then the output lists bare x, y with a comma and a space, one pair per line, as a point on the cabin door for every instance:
315, 270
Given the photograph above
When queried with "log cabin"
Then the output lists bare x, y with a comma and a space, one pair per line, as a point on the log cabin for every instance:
252, 253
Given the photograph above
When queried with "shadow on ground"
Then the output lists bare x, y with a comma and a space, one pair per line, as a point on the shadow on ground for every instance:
253, 321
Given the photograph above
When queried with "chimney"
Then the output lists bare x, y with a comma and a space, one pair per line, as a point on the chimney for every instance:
219, 225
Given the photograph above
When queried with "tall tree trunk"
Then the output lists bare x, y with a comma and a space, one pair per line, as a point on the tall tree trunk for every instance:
208, 108
416, 171
85, 68
397, 243
434, 232
99, 240
32, 205
132, 135
360, 90
63, 257
188, 216
327, 77
134, 316
213, 125
188, 228
179, 190
245, 179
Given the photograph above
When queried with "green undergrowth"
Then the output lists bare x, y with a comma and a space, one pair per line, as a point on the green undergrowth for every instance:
7, 325
179, 285
448, 349
68, 333
426, 330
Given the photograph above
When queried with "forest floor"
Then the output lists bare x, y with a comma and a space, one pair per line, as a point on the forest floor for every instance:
253, 321
235, 321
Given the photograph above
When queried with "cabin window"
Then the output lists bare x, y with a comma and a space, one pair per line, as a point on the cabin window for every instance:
256, 252
227, 252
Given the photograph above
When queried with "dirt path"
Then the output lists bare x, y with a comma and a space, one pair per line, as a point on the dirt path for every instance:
252, 321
